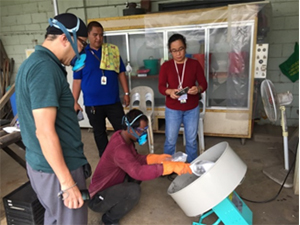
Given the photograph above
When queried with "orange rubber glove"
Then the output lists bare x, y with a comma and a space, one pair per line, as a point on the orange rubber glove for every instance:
158, 159
177, 167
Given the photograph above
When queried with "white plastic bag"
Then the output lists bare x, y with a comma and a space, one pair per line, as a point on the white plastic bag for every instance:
200, 167
179, 157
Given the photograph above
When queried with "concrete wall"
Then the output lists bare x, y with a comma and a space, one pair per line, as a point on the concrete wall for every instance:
23, 21
282, 37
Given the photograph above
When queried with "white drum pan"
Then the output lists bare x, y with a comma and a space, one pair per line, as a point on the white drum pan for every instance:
196, 195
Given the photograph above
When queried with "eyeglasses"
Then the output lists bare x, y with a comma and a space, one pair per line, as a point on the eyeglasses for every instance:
142, 130
84, 44
177, 50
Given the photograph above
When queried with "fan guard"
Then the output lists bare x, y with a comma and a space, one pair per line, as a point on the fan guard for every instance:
269, 99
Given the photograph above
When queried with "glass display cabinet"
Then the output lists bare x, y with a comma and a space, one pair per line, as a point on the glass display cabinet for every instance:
221, 39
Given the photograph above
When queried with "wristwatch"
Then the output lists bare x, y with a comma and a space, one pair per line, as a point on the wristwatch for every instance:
126, 93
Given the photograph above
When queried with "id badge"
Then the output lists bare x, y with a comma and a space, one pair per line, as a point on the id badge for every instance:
183, 98
103, 80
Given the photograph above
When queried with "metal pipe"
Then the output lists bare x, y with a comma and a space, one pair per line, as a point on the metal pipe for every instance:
55, 7
85, 11
93, 6
100, 6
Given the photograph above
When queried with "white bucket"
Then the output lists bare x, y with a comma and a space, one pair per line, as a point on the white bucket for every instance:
196, 195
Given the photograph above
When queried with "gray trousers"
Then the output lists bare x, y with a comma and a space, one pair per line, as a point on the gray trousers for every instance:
46, 186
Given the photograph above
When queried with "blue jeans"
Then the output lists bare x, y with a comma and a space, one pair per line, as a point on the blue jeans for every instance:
190, 120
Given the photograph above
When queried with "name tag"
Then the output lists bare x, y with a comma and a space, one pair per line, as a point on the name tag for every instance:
183, 98
103, 80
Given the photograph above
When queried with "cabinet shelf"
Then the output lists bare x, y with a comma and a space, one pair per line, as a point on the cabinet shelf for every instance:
227, 62
147, 77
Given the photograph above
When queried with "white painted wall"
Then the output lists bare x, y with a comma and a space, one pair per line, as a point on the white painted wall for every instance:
25, 20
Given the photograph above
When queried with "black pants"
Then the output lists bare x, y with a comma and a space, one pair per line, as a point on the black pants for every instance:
97, 116
116, 201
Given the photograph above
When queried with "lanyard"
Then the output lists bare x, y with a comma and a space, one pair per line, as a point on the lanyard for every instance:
93, 53
183, 70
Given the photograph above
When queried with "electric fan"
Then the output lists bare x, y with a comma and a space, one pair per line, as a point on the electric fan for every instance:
272, 103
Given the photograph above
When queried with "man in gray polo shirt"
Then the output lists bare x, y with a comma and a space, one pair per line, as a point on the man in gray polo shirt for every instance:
48, 122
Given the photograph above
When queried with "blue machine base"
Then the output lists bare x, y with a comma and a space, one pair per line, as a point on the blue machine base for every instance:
231, 211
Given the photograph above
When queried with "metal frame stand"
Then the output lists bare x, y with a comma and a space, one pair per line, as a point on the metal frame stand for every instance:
231, 211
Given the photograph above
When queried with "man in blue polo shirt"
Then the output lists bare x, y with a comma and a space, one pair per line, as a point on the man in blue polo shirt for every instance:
99, 82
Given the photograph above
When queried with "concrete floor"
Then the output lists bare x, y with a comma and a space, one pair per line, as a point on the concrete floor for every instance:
157, 207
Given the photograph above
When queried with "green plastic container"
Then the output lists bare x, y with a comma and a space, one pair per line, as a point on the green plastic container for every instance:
153, 65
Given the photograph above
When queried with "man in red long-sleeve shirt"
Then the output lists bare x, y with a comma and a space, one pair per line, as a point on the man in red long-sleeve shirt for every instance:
110, 192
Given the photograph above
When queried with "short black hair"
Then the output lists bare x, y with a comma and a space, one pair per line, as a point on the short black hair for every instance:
176, 37
93, 24
130, 116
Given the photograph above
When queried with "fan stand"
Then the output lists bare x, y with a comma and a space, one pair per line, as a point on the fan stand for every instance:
278, 173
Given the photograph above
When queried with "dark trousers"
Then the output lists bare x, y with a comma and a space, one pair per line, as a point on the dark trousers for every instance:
116, 201
97, 115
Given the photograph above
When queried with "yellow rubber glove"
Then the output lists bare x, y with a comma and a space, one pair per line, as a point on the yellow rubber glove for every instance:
158, 158
177, 167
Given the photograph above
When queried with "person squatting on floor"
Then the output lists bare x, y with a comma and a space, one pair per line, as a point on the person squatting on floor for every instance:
111, 193
48, 122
